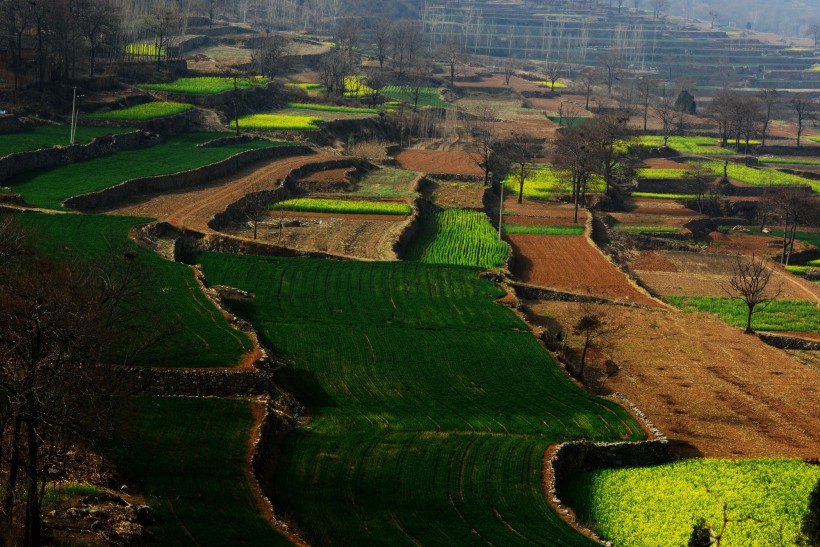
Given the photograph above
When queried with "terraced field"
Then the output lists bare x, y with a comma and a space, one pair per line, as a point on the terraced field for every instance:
46, 136
432, 405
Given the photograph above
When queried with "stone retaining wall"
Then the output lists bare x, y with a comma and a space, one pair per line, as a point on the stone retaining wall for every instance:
532, 292
788, 342
174, 181
11, 124
20, 162
164, 382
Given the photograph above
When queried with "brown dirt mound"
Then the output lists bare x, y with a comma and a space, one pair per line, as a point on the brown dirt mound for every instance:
713, 390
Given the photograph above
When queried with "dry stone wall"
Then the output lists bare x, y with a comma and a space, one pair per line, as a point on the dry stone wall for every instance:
20, 162
175, 181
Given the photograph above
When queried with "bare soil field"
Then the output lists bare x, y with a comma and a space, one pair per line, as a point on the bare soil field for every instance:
655, 212
368, 237
446, 163
451, 193
712, 389
705, 274
327, 176
195, 207
539, 213
665, 163
571, 264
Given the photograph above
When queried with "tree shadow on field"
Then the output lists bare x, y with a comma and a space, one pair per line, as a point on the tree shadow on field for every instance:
306, 388
684, 450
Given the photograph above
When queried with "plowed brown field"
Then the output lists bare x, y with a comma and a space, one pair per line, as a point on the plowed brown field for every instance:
572, 264
445, 163
193, 208
712, 389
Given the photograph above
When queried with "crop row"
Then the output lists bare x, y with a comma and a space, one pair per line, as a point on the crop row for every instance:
49, 187
331, 108
143, 49
780, 315
317, 205
458, 237
145, 111
765, 500
432, 406
206, 85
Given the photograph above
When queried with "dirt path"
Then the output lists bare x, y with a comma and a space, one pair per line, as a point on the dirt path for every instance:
194, 208
712, 389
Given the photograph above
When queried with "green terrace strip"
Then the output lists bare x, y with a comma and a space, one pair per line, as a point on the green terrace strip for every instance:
427, 96
142, 49
59, 492
788, 161
46, 136
814, 138
275, 122
170, 297
556, 85
650, 506
331, 108
145, 111
812, 238
458, 237
539, 183
760, 177
649, 229
652, 195
432, 405
802, 270
544, 230
206, 85
49, 187
706, 146
652, 173
355, 207
780, 315
189, 456
307, 86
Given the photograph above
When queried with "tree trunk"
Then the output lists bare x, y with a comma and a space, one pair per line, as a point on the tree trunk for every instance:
14, 468
785, 240
749, 319
33, 521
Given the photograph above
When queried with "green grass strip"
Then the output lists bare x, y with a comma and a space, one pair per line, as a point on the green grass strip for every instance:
427, 96
315, 205
189, 457
49, 187
544, 230
46, 136
760, 177
707, 146
780, 315
638, 506
145, 111
787, 161
331, 108
275, 122
143, 49
652, 173
201, 336
812, 238
206, 85
458, 237
653, 195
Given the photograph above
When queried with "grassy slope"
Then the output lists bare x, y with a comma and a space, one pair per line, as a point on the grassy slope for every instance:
637, 507
780, 315
432, 405
205, 338
46, 136
457, 237
189, 456
49, 187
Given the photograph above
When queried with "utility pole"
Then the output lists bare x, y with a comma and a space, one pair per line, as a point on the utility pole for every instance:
75, 115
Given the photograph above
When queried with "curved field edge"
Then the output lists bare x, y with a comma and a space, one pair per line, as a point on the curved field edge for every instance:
169, 296
49, 187
640, 506
189, 456
432, 405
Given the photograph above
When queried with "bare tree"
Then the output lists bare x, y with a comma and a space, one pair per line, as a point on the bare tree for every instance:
646, 87
452, 52
804, 107
713, 15
814, 32
750, 282
521, 148
611, 63
596, 329
98, 25
702, 181
347, 33
164, 23
553, 71
588, 78
658, 7
255, 204
382, 34
508, 70
486, 142
577, 160
668, 114
273, 56
608, 137
769, 98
